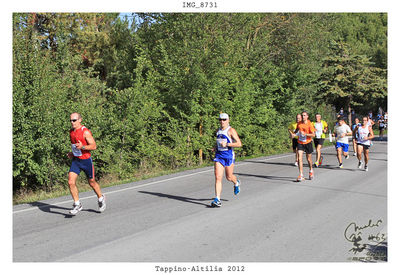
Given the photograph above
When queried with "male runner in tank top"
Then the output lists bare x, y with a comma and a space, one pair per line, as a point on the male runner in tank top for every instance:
321, 128
353, 127
341, 132
382, 126
227, 139
305, 132
292, 130
82, 142
364, 137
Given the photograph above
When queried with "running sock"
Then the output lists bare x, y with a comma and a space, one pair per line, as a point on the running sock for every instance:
77, 202
101, 198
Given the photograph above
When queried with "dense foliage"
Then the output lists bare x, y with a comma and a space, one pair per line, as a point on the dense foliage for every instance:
150, 87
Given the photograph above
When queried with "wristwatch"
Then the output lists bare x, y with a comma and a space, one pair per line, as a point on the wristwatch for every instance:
83, 147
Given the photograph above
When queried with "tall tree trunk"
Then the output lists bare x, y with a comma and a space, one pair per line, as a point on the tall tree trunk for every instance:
349, 110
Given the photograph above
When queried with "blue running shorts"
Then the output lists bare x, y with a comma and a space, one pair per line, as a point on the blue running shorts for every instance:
226, 162
345, 146
86, 165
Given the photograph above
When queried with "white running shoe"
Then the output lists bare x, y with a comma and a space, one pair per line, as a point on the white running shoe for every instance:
76, 208
296, 164
366, 168
102, 204
359, 165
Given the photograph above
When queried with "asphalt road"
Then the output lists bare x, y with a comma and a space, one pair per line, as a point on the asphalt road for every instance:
168, 219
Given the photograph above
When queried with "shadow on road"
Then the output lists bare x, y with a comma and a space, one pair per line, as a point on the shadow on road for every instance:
336, 167
377, 138
180, 198
267, 162
378, 159
289, 179
48, 208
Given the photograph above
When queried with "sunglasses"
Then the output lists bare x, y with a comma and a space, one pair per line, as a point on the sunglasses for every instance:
73, 120
223, 119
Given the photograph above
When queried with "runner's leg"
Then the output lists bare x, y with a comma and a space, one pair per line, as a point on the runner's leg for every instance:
300, 153
359, 152
95, 186
219, 173
339, 154
72, 177
309, 160
366, 156
229, 174
318, 149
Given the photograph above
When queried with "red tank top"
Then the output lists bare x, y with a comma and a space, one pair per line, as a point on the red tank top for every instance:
76, 135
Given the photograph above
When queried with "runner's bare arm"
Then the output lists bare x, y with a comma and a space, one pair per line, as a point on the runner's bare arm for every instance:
91, 143
235, 138
371, 134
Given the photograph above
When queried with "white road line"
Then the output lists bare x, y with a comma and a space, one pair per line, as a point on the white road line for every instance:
147, 184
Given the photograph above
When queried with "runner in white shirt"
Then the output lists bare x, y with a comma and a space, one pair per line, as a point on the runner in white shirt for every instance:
321, 128
342, 131
353, 128
364, 137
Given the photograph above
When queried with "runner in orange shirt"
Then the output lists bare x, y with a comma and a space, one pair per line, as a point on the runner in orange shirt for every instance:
305, 132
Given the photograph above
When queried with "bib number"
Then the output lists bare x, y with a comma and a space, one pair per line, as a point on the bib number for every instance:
302, 138
77, 152
318, 133
219, 144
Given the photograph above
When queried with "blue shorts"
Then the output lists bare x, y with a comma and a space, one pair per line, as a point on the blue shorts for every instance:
86, 165
226, 162
345, 146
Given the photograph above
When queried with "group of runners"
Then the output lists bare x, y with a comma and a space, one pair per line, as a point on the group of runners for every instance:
82, 143
302, 132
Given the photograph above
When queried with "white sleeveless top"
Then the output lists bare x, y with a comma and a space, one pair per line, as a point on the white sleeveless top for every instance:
222, 135
225, 152
363, 133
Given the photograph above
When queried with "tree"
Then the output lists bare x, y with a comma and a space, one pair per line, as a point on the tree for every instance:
349, 80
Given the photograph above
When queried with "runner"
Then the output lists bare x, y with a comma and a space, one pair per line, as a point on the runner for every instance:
353, 127
227, 139
292, 130
371, 124
341, 132
82, 142
305, 132
321, 128
365, 135
382, 126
